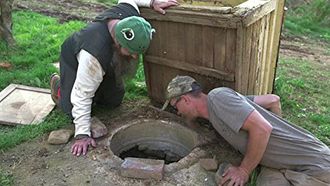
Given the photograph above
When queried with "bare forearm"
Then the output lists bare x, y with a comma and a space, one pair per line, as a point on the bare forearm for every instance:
276, 109
259, 130
256, 147
137, 3
271, 102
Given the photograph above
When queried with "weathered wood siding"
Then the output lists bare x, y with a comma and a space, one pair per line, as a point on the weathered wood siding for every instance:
234, 47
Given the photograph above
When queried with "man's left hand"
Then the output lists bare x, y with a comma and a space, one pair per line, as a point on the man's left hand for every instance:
235, 176
160, 5
81, 145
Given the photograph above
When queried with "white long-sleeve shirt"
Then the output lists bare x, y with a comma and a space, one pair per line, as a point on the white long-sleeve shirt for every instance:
89, 77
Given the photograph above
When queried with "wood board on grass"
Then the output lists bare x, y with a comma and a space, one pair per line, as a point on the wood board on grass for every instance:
24, 105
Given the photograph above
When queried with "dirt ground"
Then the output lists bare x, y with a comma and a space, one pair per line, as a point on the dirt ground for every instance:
38, 163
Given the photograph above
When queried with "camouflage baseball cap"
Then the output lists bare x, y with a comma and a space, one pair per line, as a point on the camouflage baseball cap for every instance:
178, 86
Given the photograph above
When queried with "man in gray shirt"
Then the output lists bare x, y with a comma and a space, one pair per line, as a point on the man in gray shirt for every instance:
289, 155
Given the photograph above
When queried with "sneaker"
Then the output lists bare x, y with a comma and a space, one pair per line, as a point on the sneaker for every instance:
54, 88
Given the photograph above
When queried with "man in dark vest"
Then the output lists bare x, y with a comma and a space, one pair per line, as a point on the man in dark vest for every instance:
94, 59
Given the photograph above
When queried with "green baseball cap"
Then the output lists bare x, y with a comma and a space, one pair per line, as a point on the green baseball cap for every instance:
134, 33
179, 86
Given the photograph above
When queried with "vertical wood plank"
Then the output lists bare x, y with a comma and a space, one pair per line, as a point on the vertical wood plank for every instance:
175, 45
271, 37
239, 59
220, 51
246, 59
159, 83
192, 43
231, 54
265, 55
259, 58
261, 53
279, 11
207, 46
253, 58
263, 48
154, 48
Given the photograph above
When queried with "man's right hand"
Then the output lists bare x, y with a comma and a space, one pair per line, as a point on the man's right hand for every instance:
235, 176
160, 5
81, 145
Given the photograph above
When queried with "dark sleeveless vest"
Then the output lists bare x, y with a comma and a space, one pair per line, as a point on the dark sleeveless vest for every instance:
95, 38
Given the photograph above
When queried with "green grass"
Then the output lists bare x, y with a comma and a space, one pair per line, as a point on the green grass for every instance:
108, 2
311, 19
136, 88
38, 44
304, 90
6, 179
38, 40
20, 134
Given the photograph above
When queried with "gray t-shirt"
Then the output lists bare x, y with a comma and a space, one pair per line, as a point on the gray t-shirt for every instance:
289, 146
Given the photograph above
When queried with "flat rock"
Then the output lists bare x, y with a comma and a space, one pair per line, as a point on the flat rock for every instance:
209, 164
61, 136
142, 168
218, 175
98, 128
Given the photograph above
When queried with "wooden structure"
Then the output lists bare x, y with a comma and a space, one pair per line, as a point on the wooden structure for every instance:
228, 46
24, 105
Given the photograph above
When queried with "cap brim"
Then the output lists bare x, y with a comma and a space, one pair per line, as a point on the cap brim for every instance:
165, 104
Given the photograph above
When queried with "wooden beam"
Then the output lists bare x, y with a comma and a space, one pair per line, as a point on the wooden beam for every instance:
191, 68
205, 9
193, 17
253, 10
239, 59
10, 88
6, 92
279, 17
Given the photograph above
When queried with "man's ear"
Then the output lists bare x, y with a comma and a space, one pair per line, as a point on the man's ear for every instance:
186, 98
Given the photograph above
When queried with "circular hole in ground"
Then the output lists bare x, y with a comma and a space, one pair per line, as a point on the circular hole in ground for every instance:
154, 139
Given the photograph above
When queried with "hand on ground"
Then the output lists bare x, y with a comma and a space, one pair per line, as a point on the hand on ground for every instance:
80, 146
235, 176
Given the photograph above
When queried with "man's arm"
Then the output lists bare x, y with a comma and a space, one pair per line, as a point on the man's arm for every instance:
271, 102
157, 5
89, 76
259, 130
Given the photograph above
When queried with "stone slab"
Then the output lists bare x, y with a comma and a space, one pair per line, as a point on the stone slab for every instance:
193, 175
142, 168
24, 105
218, 175
209, 164
60, 136
98, 128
